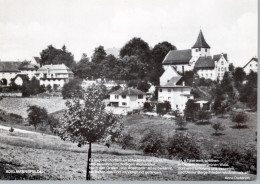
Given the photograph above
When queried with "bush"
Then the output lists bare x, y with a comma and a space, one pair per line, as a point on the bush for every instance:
240, 119
163, 108
153, 143
53, 123
218, 127
183, 147
203, 116
181, 123
73, 87
127, 142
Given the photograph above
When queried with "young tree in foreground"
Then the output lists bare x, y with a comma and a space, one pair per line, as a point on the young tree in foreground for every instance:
181, 123
240, 118
88, 122
37, 115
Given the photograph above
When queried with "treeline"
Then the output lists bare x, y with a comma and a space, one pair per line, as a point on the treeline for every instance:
138, 63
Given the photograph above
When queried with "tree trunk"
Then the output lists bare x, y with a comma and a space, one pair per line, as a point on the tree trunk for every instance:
89, 162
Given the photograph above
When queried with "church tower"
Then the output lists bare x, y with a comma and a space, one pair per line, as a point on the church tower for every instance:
200, 48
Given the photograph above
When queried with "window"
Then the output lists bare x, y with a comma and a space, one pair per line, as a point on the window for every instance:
199, 49
116, 96
169, 90
124, 96
218, 69
250, 65
168, 81
222, 63
211, 74
160, 90
140, 96
202, 74
206, 74
222, 69
169, 98
123, 103
196, 50
205, 50
176, 106
256, 65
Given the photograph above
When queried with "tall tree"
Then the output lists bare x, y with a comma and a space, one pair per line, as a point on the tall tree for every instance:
239, 75
37, 115
88, 122
98, 55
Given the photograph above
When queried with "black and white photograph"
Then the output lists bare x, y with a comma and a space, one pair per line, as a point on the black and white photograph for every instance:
128, 90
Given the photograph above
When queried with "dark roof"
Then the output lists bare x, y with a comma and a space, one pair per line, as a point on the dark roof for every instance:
178, 57
128, 91
26, 66
9, 66
201, 43
218, 56
37, 59
205, 62
253, 59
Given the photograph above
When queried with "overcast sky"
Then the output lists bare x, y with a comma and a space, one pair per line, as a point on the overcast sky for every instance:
28, 26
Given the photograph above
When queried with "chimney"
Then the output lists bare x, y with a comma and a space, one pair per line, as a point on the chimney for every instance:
183, 83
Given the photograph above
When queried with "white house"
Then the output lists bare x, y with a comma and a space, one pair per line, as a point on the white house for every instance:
28, 69
251, 65
54, 75
197, 58
128, 98
8, 71
170, 89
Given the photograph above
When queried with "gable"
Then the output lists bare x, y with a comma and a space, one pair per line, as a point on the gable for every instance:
252, 60
170, 75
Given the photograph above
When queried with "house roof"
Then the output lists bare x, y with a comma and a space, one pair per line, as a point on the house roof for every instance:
128, 92
218, 56
59, 68
9, 66
37, 59
26, 66
178, 57
253, 59
201, 42
205, 62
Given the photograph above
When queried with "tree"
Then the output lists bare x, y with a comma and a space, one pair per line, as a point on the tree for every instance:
53, 123
239, 75
51, 55
88, 122
49, 88
231, 67
217, 105
36, 115
98, 55
152, 142
163, 108
218, 127
73, 87
190, 109
226, 84
204, 117
181, 123
240, 119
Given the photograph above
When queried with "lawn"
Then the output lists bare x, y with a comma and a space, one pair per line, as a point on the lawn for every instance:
20, 105
241, 139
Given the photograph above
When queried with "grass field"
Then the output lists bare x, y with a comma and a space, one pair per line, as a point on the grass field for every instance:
20, 105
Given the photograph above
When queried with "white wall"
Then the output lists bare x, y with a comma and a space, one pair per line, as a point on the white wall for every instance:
251, 66
132, 101
222, 67
208, 73
176, 96
167, 75
8, 76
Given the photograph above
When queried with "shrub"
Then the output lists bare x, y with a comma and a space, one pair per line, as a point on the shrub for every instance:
163, 108
240, 119
181, 123
183, 147
203, 116
127, 141
53, 123
218, 127
153, 143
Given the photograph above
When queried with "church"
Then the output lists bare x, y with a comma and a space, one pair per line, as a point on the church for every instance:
198, 59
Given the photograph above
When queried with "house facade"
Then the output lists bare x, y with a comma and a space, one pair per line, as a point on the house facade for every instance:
251, 66
199, 59
128, 98
171, 90
54, 75
8, 71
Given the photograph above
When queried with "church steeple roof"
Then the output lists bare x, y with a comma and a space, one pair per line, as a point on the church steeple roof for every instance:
201, 43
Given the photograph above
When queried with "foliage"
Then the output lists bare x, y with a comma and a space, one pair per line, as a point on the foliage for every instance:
127, 142
99, 54
204, 82
239, 75
190, 109
51, 55
203, 116
163, 108
31, 87
153, 143
88, 122
53, 123
240, 118
226, 84
181, 123
36, 115
148, 106
183, 147
231, 67
218, 127
141, 85
72, 88
49, 88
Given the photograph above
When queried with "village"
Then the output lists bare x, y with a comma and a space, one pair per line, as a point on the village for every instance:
165, 100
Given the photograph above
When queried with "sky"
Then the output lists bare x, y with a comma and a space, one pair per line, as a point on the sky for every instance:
29, 26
